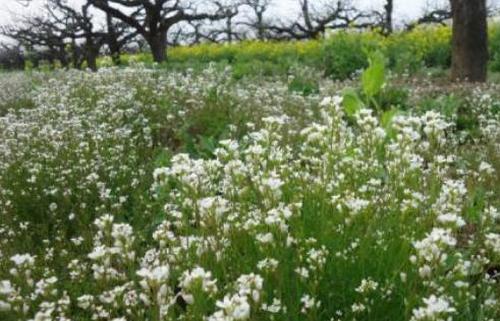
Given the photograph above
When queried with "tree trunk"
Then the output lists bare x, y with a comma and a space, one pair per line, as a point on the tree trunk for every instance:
63, 59
92, 61
306, 16
229, 28
74, 54
91, 55
470, 40
34, 58
389, 9
113, 45
261, 28
116, 57
158, 45
115, 52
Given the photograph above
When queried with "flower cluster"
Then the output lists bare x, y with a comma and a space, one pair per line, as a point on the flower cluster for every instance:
138, 194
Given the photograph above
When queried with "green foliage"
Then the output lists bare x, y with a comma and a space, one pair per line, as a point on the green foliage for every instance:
351, 101
344, 54
259, 68
204, 127
393, 96
303, 86
373, 78
373, 81
446, 104
494, 47
402, 57
162, 194
303, 81
340, 55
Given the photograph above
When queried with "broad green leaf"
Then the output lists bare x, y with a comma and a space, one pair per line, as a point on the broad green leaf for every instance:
386, 122
351, 101
373, 78
387, 117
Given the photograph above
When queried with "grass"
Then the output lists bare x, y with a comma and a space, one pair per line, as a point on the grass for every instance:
339, 55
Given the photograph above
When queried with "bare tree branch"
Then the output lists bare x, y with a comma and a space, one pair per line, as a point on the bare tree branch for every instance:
315, 20
154, 18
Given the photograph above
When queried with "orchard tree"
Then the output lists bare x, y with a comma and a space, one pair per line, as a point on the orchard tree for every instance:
469, 40
228, 32
196, 33
84, 28
383, 18
388, 23
41, 38
256, 21
73, 28
318, 16
153, 19
225, 30
434, 12
118, 36
11, 56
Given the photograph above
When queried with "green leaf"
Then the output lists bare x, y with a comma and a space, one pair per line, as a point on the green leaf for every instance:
373, 78
387, 117
209, 144
386, 122
351, 101
163, 158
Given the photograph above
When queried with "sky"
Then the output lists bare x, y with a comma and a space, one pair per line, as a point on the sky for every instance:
404, 9
285, 9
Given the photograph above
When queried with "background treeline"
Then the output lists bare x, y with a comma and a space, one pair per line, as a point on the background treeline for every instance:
333, 36
62, 34
338, 55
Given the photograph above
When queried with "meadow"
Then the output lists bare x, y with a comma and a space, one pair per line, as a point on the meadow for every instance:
338, 56
217, 193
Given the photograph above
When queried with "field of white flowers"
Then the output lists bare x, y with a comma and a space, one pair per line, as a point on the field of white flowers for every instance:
145, 195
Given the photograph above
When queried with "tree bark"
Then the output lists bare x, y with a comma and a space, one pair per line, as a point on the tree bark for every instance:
229, 28
91, 54
260, 25
114, 50
112, 38
63, 59
158, 45
389, 9
469, 40
92, 61
116, 57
